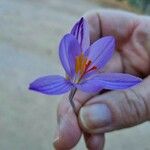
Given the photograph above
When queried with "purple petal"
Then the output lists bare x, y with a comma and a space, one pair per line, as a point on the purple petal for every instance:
112, 81
117, 80
51, 85
101, 51
89, 86
81, 32
68, 50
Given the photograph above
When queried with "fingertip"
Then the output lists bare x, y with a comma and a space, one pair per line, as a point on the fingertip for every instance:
94, 141
93, 20
68, 132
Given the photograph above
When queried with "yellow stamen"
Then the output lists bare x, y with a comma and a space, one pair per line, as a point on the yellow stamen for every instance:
80, 60
80, 63
77, 67
83, 65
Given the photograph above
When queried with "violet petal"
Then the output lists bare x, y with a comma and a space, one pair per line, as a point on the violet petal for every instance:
116, 81
68, 50
51, 85
112, 81
101, 51
81, 31
89, 86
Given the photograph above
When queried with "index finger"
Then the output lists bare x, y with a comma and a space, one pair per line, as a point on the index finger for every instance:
68, 129
111, 22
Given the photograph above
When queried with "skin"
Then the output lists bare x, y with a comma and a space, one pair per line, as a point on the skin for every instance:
128, 107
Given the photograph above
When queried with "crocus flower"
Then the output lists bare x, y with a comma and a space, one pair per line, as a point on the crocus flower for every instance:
83, 63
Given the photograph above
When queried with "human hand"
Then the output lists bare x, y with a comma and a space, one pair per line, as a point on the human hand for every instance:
111, 110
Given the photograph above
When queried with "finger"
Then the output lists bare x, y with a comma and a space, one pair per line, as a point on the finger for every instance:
111, 22
131, 34
117, 109
68, 132
94, 141
121, 25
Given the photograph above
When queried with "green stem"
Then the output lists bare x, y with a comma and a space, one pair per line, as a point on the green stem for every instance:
71, 96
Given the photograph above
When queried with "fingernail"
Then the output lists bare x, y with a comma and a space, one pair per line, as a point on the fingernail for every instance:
95, 116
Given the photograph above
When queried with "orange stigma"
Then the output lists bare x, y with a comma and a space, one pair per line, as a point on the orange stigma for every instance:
82, 65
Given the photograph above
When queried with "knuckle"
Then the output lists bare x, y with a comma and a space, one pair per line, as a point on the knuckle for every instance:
137, 110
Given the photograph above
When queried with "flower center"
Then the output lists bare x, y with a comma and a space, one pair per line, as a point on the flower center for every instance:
82, 66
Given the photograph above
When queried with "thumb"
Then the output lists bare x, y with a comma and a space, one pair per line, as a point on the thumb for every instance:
117, 109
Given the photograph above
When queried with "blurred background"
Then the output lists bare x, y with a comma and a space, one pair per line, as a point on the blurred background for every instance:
30, 31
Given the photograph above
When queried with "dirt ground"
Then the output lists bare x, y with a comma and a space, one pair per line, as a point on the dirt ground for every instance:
30, 31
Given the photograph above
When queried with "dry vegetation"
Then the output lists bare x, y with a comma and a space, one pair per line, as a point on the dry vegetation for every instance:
117, 4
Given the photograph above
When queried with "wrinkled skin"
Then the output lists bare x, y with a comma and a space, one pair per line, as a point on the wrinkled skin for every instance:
132, 56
